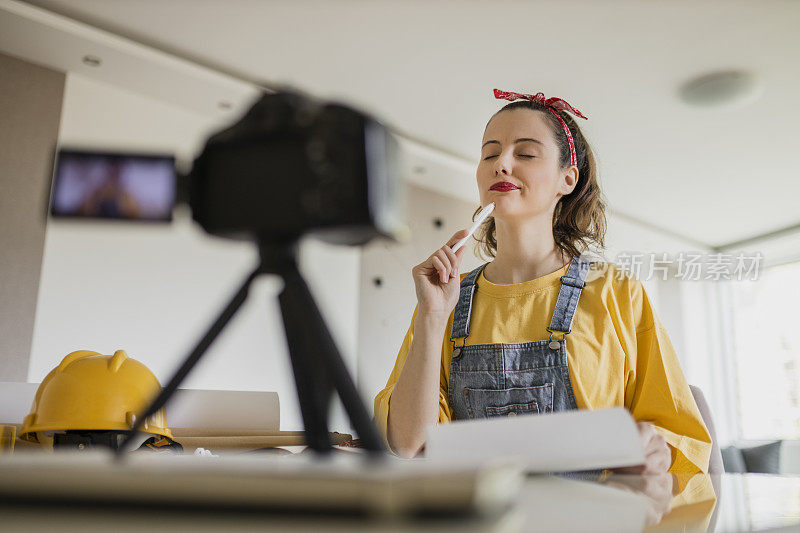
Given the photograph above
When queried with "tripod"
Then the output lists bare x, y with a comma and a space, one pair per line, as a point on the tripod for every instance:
316, 363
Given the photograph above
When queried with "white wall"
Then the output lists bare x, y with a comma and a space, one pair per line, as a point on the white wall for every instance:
152, 290
386, 309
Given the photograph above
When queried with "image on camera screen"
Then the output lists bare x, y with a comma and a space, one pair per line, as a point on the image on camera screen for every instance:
115, 186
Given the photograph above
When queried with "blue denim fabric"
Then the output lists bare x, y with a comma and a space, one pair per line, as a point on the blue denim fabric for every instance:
508, 379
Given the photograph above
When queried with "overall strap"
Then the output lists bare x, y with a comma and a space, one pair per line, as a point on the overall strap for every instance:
463, 309
568, 294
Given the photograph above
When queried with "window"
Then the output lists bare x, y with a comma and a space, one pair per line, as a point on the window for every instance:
766, 340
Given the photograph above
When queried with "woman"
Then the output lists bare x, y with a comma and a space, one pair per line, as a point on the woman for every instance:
538, 329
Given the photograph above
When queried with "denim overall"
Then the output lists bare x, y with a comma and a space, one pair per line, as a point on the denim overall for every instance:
516, 378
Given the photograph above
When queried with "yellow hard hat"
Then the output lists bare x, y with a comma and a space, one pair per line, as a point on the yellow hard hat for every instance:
93, 392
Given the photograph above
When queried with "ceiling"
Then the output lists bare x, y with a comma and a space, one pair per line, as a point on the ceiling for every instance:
714, 176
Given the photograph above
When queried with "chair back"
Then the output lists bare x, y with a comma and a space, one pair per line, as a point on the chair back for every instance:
715, 461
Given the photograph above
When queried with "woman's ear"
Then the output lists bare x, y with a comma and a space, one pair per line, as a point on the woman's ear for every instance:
569, 181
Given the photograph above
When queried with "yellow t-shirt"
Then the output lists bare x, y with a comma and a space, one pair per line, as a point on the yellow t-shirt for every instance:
618, 353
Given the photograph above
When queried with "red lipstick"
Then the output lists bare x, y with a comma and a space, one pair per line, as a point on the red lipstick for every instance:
503, 186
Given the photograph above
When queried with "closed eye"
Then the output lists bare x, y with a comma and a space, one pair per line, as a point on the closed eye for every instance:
518, 155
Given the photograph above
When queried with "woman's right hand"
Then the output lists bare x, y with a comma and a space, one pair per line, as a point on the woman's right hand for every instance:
437, 280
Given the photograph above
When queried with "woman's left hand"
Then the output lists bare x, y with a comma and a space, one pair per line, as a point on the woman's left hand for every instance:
658, 457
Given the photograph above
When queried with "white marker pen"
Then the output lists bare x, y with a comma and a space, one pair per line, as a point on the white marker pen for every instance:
485, 212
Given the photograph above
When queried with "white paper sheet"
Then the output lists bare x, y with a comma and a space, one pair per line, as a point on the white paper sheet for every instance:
224, 409
189, 408
558, 442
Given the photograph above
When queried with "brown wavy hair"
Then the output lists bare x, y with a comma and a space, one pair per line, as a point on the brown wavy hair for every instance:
579, 218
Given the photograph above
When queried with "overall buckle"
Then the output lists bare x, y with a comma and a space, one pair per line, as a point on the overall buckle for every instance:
573, 282
555, 344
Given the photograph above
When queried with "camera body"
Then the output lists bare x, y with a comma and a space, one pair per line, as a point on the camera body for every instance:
292, 166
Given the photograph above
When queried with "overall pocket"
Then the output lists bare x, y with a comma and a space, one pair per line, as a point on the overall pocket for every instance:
484, 403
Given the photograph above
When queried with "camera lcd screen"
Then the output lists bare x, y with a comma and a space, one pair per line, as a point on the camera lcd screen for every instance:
114, 185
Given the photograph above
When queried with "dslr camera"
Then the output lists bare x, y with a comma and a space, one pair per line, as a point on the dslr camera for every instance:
292, 166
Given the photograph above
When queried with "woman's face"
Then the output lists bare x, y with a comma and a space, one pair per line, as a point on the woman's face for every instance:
519, 149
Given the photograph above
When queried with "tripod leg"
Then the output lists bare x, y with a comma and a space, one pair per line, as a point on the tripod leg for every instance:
198, 351
318, 365
314, 389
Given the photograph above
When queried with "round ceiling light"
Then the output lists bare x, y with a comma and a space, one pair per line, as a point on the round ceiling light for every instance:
724, 89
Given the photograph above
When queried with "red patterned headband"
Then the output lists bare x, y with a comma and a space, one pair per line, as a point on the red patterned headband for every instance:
552, 104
